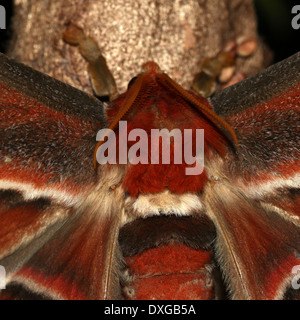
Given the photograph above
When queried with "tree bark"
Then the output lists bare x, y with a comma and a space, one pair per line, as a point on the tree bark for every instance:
175, 34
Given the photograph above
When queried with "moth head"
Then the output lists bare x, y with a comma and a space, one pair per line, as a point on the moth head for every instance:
140, 87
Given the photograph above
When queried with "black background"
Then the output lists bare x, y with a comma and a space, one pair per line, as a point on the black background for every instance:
274, 26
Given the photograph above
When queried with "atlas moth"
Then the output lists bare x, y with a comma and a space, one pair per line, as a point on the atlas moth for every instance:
71, 228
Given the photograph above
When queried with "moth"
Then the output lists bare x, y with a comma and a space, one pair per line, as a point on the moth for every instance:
71, 228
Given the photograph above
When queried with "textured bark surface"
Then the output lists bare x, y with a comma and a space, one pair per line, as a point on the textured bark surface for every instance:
177, 34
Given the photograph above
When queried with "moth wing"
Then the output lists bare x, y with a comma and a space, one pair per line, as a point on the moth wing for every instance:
255, 199
49, 189
255, 246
